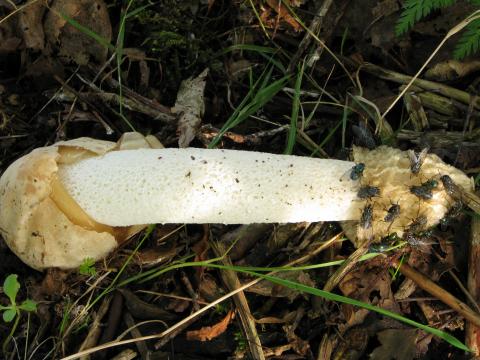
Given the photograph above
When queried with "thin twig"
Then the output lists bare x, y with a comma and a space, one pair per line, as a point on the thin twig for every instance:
314, 28
472, 336
432, 288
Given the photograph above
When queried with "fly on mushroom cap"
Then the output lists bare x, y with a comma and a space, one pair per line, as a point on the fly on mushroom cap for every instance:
389, 170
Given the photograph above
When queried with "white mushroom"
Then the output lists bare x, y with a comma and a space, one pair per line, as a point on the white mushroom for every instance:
81, 198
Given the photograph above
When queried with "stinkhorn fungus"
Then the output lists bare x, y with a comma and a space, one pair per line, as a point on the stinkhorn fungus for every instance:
79, 199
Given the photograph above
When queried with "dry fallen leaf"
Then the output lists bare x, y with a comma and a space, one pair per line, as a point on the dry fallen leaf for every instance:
210, 332
190, 106
71, 43
284, 14
396, 344
452, 70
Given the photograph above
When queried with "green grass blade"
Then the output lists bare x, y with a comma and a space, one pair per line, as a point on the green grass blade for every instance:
252, 102
100, 39
292, 132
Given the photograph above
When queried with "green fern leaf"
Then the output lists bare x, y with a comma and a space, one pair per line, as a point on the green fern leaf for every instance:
469, 43
415, 10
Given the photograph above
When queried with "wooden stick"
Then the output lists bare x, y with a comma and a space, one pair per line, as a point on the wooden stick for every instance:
473, 283
429, 286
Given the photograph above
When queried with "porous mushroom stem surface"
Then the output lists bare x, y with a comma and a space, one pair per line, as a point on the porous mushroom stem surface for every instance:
193, 185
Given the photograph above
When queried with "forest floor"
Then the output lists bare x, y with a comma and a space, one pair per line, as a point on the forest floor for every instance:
291, 76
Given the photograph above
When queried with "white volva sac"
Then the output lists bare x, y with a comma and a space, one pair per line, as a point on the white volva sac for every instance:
209, 186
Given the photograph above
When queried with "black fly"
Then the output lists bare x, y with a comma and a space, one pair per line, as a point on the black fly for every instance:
363, 136
392, 213
364, 230
367, 192
416, 160
357, 171
451, 215
416, 236
367, 215
450, 187
354, 173
418, 224
386, 243
424, 191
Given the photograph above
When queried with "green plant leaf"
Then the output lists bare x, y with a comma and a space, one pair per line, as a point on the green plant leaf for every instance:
87, 267
9, 315
83, 29
11, 287
28, 305
469, 42
292, 132
415, 10
259, 94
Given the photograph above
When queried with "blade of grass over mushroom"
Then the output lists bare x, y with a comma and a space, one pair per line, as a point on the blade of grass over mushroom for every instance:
259, 94
83, 29
327, 138
292, 132
119, 54
261, 50
154, 273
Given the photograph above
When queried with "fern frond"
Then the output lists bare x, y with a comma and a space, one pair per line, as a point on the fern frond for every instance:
469, 43
414, 10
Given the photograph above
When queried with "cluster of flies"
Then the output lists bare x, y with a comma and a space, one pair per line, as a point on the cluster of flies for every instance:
415, 235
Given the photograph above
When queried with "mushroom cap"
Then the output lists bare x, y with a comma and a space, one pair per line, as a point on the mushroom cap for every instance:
389, 169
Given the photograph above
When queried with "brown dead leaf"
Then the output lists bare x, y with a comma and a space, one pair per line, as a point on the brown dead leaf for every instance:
208, 333
396, 344
284, 14
200, 249
155, 256
30, 26
71, 43
452, 70
370, 283
300, 346
385, 8
276, 351
266, 288
54, 282
208, 288
134, 54
190, 106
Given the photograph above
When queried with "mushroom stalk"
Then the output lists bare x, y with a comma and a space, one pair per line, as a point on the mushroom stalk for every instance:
146, 186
